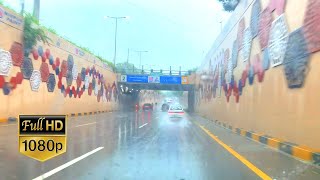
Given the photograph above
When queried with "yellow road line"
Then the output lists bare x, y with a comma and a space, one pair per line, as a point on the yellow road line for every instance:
252, 167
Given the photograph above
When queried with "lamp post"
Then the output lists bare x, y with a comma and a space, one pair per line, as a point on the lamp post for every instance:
115, 34
140, 52
36, 9
22, 7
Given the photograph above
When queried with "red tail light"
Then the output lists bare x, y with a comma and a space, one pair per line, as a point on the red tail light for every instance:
170, 112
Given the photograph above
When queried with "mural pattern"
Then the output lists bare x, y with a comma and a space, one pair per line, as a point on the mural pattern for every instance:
311, 25
5, 62
234, 57
296, 59
51, 83
277, 5
16, 51
247, 43
278, 40
266, 59
27, 67
278, 47
35, 80
241, 28
44, 69
255, 18
264, 27
89, 79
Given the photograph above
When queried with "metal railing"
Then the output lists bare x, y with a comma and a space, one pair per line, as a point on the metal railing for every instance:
169, 71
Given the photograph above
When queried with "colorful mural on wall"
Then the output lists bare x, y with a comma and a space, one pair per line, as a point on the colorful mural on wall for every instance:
76, 83
278, 47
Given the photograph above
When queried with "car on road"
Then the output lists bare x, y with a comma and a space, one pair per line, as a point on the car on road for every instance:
176, 111
165, 107
147, 107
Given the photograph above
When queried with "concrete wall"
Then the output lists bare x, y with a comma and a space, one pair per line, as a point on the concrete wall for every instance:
269, 107
22, 100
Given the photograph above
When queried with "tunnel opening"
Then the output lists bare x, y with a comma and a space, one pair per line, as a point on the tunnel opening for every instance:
133, 95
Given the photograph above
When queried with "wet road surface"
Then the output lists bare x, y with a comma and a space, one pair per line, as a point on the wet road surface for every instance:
149, 145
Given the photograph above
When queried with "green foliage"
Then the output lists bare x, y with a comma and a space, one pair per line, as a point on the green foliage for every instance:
84, 49
7, 7
53, 31
126, 68
110, 64
33, 33
190, 71
193, 69
229, 5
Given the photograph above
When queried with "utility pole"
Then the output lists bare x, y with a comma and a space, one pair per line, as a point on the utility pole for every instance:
140, 54
22, 7
115, 43
115, 35
36, 9
128, 56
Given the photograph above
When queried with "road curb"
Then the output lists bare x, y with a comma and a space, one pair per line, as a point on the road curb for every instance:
295, 150
87, 113
10, 119
4, 120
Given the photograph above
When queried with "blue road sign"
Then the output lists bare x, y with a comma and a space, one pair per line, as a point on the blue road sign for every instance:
170, 79
137, 78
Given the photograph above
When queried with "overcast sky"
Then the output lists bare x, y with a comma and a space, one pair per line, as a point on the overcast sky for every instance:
174, 32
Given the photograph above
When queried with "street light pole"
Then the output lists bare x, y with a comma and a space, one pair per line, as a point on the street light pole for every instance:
36, 9
115, 43
128, 56
22, 7
140, 54
115, 35
140, 59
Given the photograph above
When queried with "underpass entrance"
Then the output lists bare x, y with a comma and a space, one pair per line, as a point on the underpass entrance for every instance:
130, 87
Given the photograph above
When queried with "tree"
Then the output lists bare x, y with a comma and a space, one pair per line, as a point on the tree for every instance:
32, 33
190, 71
126, 68
229, 5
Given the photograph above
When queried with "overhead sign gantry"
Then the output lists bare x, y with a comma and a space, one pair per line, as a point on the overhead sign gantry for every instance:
154, 79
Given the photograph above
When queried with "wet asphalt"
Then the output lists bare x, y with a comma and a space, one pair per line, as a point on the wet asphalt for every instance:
149, 145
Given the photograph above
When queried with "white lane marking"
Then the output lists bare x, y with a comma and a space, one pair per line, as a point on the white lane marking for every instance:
143, 125
8, 125
85, 124
53, 171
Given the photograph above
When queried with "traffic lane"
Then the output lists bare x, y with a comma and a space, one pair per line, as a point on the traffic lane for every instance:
128, 126
9, 131
14, 165
70, 120
167, 149
275, 163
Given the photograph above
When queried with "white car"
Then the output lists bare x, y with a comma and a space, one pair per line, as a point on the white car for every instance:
175, 111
